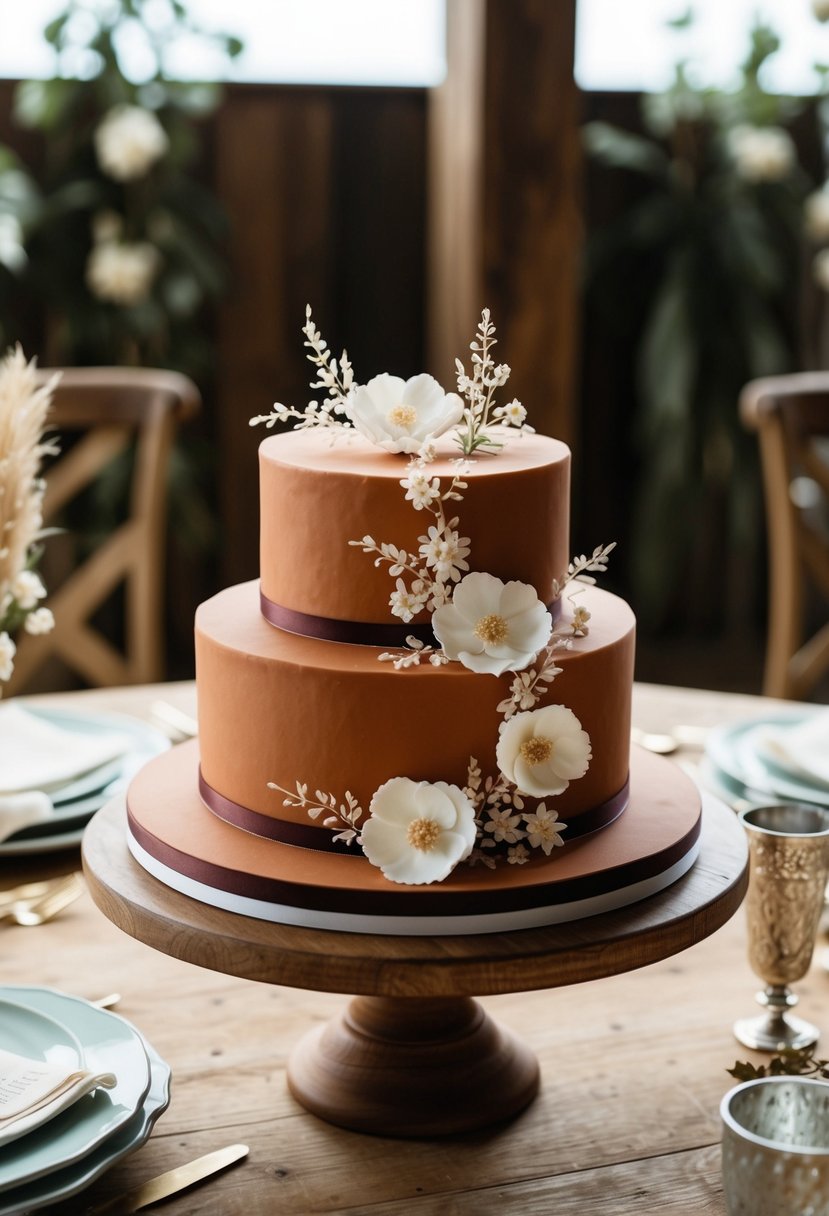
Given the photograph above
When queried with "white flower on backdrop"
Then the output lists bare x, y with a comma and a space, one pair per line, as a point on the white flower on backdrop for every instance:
762, 154
128, 142
122, 274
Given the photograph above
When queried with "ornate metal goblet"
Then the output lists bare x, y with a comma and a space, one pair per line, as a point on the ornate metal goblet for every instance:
789, 859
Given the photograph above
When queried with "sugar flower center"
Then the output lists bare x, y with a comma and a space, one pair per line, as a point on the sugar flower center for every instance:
491, 629
423, 834
404, 416
536, 750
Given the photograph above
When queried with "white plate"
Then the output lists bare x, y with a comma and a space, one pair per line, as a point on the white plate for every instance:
70, 818
67, 1182
28, 1033
730, 750
109, 1044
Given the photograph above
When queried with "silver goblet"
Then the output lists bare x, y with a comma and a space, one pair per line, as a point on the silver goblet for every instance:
788, 860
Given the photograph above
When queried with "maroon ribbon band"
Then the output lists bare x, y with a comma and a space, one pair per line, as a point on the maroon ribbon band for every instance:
357, 633
304, 836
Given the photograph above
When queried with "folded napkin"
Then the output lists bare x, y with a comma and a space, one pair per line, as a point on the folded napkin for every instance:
34, 1091
801, 748
18, 811
39, 755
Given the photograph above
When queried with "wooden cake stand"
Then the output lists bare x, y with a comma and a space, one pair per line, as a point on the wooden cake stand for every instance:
414, 1054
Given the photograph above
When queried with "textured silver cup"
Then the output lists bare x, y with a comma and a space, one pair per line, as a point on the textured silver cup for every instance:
788, 859
775, 1147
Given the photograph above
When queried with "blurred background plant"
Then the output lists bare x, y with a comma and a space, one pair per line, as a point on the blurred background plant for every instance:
126, 246
712, 251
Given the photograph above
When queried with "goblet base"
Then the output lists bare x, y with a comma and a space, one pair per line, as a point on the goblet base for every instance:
776, 1032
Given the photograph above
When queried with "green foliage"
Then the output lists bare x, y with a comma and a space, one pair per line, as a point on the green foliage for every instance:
790, 1063
714, 246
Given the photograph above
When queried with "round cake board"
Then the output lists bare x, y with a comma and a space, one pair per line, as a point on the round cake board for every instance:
178, 840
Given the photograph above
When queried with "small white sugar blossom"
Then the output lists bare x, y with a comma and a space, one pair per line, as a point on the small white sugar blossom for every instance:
761, 154
816, 215
122, 274
512, 413
405, 602
492, 626
128, 142
27, 588
403, 415
421, 490
39, 621
543, 750
418, 831
7, 653
445, 552
544, 829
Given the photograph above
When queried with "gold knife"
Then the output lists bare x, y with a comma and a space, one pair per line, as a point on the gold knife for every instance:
170, 1183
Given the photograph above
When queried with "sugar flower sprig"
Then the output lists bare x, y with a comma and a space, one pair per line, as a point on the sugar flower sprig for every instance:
424, 579
479, 390
343, 815
336, 379
23, 410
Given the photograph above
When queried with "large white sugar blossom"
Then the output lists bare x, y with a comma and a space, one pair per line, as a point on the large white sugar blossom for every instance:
403, 415
128, 142
761, 154
543, 750
27, 588
492, 626
122, 274
418, 831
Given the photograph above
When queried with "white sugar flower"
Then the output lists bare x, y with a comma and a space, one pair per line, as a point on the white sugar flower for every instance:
421, 491
406, 603
518, 855
445, 552
513, 413
761, 154
128, 142
7, 653
417, 832
403, 415
816, 215
544, 829
542, 751
124, 273
39, 621
491, 626
503, 826
27, 589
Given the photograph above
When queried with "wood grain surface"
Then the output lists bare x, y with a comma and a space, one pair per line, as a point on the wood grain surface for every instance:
633, 1066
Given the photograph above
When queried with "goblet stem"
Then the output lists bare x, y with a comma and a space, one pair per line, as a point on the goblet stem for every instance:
776, 1030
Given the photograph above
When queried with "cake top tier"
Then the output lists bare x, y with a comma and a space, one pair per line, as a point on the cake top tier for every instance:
318, 495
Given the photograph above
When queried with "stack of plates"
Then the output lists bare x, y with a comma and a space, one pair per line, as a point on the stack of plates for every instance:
76, 799
70, 1151
780, 758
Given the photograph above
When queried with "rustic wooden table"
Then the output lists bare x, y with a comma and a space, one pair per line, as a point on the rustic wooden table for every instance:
633, 1066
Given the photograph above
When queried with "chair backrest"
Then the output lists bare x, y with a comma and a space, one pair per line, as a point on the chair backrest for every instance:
116, 410
791, 417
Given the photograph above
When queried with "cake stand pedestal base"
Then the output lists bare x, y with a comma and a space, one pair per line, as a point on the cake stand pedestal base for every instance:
413, 1066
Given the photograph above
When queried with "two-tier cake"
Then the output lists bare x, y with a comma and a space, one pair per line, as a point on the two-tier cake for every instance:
418, 719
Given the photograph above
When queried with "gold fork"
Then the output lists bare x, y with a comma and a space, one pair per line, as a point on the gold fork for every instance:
45, 907
33, 890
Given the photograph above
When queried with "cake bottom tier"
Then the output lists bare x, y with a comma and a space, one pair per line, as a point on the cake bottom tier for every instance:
175, 838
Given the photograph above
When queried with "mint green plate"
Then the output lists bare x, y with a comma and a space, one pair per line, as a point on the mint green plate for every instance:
108, 1044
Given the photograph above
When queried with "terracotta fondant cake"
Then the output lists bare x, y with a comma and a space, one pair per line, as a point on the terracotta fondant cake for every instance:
418, 718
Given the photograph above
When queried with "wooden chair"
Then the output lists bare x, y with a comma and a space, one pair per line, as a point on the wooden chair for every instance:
114, 408
791, 417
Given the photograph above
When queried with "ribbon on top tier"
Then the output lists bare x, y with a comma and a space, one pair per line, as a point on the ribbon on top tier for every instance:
357, 633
